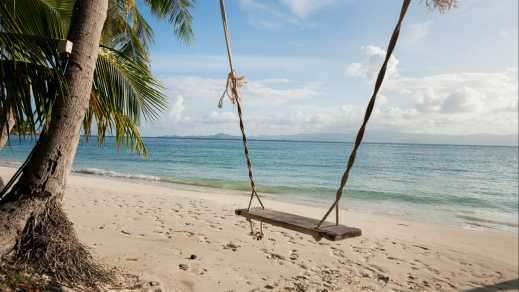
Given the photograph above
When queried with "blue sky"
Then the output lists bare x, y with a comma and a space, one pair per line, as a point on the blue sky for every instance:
310, 67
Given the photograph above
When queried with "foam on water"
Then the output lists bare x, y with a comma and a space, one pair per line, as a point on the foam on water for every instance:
111, 173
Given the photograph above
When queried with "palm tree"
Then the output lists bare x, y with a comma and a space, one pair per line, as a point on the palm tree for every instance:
57, 95
123, 84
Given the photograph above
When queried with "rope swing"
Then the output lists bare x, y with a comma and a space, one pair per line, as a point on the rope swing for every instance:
316, 228
234, 83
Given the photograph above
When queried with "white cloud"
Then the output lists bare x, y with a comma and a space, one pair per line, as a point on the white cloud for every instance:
220, 117
266, 15
177, 108
369, 67
255, 5
193, 103
309, 118
195, 88
416, 32
463, 100
504, 34
462, 91
428, 101
266, 91
304, 8
276, 14
217, 65
455, 103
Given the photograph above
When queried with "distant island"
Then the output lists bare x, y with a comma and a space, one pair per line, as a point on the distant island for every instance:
377, 137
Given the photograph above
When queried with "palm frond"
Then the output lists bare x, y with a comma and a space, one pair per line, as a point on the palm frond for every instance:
27, 92
62, 8
35, 17
127, 30
30, 75
178, 13
124, 89
113, 121
128, 84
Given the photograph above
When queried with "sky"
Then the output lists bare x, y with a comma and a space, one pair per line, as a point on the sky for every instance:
310, 67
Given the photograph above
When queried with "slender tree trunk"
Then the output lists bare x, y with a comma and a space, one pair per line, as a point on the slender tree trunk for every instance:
32, 222
4, 135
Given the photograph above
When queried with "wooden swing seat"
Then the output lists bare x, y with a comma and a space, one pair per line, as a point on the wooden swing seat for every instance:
301, 224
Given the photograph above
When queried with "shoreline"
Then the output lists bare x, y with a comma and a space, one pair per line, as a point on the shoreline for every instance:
397, 210
152, 230
390, 209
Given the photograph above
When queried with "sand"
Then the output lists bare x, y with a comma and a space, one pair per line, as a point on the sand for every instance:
188, 239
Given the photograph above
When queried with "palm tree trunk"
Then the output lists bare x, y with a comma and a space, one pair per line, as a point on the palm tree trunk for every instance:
4, 135
33, 224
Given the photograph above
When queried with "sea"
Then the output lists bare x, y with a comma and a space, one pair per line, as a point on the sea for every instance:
475, 187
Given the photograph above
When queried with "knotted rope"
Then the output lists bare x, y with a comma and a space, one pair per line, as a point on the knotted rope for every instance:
234, 83
367, 115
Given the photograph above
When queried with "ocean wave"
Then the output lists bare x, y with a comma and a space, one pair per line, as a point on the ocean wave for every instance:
211, 183
317, 194
111, 173
201, 182
486, 220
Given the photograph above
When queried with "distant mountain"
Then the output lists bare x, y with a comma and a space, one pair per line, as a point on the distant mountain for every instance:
222, 136
219, 136
381, 137
397, 137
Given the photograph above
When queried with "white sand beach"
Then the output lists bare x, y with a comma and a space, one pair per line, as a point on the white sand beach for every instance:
188, 239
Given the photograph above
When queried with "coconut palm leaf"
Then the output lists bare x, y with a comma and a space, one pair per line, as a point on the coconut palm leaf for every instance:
123, 91
29, 61
28, 90
35, 17
111, 120
177, 12
124, 88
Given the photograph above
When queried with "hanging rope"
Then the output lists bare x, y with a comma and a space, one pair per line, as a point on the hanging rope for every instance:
367, 115
234, 83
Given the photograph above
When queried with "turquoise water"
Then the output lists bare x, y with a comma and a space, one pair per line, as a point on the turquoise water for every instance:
475, 186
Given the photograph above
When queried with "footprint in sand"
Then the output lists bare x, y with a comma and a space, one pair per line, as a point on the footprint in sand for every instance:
215, 226
185, 232
232, 246
273, 255
294, 255
337, 252
286, 235
203, 239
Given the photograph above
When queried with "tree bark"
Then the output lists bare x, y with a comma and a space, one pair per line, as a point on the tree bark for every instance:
36, 198
6, 129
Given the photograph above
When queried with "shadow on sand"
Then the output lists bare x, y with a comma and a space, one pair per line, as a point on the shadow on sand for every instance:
503, 286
